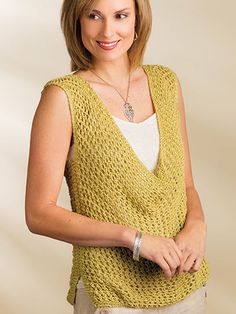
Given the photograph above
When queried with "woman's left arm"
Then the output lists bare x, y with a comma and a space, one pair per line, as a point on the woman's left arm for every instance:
191, 239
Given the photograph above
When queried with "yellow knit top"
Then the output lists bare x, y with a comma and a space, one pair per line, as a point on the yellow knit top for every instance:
108, 182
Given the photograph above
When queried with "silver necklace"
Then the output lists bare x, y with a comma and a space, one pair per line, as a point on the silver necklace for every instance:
128, 109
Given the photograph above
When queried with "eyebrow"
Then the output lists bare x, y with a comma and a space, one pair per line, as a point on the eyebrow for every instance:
97, 11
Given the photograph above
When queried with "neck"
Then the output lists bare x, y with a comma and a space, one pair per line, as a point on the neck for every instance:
115, 72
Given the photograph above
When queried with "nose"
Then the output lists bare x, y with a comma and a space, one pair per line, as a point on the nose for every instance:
107, 30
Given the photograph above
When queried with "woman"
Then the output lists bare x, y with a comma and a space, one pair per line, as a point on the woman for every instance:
116, 129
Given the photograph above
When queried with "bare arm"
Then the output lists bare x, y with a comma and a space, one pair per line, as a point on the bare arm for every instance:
49, 145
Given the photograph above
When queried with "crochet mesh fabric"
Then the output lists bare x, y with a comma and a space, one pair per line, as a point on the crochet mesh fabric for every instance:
108, 182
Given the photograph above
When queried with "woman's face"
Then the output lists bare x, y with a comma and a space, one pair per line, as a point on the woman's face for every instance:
108, 29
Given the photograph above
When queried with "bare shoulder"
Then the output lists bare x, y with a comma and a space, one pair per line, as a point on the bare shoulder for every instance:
54, 94
52, 121
54, 101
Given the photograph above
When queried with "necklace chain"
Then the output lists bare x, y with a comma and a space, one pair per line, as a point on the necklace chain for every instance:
128, 109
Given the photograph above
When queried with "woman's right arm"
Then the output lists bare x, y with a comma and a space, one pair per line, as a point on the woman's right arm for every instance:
49, 145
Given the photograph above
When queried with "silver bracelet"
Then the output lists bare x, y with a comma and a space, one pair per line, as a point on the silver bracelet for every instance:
137, 244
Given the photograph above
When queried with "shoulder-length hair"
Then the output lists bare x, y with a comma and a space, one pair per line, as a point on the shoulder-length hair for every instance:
81, 58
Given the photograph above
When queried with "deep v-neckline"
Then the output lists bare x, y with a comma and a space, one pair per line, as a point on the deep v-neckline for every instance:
121, 135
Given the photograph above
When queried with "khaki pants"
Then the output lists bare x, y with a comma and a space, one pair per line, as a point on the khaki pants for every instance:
195, 303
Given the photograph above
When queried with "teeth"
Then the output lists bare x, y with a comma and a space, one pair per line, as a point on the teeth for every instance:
108, 45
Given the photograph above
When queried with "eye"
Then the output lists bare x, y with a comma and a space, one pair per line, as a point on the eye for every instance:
92, 16
120, 14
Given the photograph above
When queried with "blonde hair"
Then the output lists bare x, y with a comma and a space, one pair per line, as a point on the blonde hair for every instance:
80, 57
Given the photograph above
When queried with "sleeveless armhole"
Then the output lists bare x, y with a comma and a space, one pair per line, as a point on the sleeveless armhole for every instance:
176, 94
172, 85
176, 98
63, 84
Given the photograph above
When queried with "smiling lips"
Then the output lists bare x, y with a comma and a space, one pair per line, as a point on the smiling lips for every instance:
107, 45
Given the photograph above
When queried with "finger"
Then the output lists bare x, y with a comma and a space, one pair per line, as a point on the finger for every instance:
170, 261
189, 262
178, 252
196, 265
182, 265
165, 267
175, 258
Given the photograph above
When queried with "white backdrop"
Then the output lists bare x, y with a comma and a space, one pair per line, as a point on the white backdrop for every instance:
194, 38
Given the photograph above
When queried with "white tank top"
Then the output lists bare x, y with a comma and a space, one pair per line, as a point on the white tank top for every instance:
144, 138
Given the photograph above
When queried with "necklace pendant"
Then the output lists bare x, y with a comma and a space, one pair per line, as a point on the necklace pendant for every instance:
129, 111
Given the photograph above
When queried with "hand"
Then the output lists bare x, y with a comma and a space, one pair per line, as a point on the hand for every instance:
191, 242
162, 251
